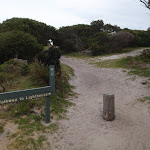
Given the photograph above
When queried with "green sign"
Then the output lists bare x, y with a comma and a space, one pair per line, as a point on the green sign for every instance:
52, 78
29, 94
17, 96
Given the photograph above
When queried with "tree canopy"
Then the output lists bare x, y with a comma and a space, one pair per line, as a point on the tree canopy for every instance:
41, 31
18, 44
22, 37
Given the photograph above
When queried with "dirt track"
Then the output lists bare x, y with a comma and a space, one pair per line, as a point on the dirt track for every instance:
86, 129
132, 53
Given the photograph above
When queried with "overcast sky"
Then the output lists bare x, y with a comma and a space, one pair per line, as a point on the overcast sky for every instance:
130, 14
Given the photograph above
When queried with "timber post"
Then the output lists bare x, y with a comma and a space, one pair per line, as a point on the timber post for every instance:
108, 107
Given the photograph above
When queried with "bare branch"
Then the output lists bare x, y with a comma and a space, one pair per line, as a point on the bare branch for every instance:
146, 3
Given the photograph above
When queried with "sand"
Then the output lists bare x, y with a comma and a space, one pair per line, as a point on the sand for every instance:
86, 130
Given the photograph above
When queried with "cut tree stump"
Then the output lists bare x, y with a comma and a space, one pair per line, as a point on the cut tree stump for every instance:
108, 107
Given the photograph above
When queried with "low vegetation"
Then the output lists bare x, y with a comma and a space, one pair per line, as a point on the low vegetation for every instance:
87, 56
30, 115
144, 99
18, 44
1, 128
77, 55
139, 65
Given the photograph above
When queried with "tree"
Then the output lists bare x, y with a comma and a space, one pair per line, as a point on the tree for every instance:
111, 28
51, 57
40, 30
18, 44
74, 38
97, 26
120, 39
146, 3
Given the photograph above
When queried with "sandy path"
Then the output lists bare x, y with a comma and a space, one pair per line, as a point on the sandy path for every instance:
132, 53
86, 130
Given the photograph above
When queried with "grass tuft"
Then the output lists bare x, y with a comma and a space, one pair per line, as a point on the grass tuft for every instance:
1, 128
145, 99
137, 65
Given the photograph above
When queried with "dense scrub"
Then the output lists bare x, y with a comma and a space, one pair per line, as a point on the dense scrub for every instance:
100, 38
50, 56
18, 44
40, 31
22, 37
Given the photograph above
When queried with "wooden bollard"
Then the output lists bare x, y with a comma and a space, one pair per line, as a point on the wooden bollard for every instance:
108, 107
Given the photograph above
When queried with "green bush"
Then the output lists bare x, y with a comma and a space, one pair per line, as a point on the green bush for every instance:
14, 67
145, 56
11, 70
20, 109
1, 128
99, 50
51, 57
95, 50
39, 30
40, 73
68, 46
18, 44
120, 40
25, 69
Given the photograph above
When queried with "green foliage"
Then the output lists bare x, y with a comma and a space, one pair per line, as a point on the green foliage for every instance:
97, 26
18, 43
142, 38
4, 78
25, 69
40, 73
67, 71
106, 37
51, 57
120, 40
68, 46
145, 99
1, 128
29, 115
99, 50
74, 38
39, 30
77, 55
137, 65
23, 108
112, 63
11, 66
110, 28
10, 71
95, 50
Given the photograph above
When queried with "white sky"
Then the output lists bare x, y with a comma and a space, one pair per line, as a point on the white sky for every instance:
130, 14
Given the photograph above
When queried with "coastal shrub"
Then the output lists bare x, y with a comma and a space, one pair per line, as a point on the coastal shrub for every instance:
51, 57
18, 44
